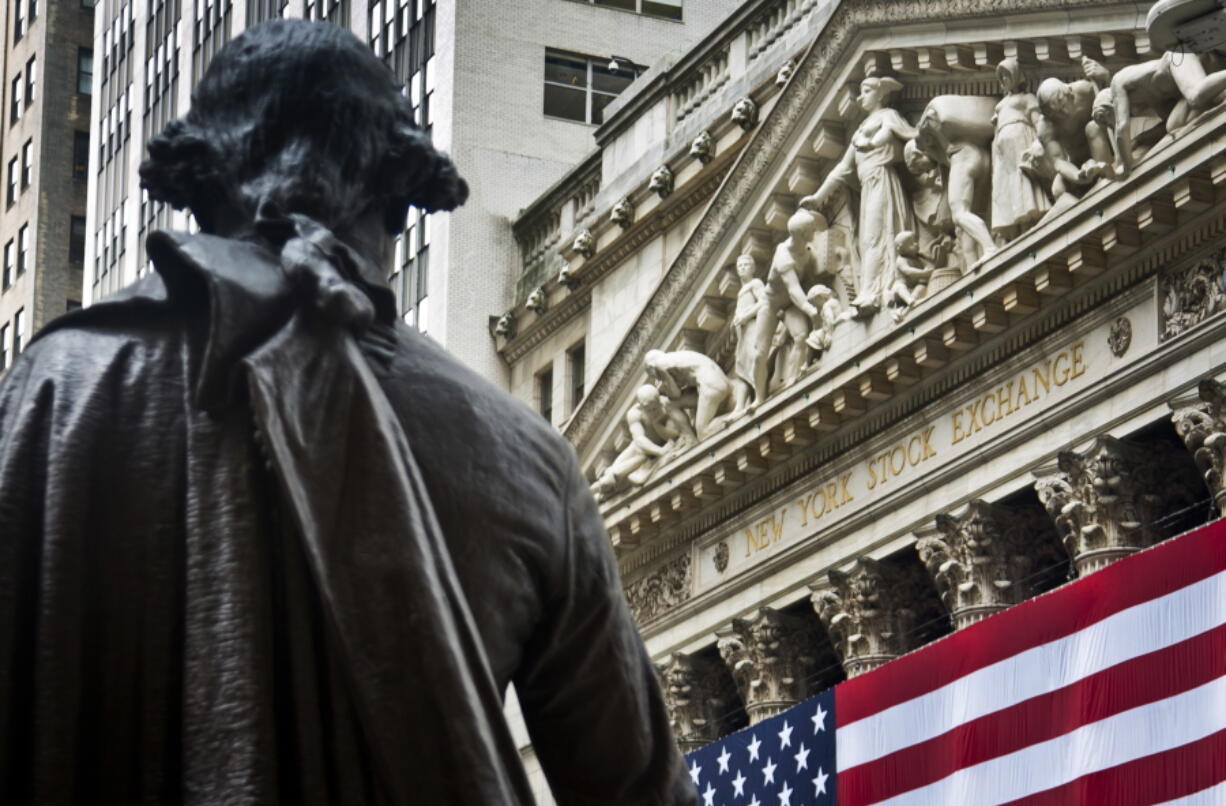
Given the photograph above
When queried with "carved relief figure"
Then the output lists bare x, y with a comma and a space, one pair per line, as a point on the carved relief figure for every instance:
692, 381
869, 166
749, 301
658, 428
785, 297
1018, 201
935, 231
910, 277
1175, 87
956, 130
830, 314
1075, 150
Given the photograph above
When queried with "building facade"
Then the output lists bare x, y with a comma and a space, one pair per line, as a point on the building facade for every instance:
887, 321
512, 90
48, 69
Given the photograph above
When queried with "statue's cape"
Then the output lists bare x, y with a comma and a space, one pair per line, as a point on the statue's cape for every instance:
377, 671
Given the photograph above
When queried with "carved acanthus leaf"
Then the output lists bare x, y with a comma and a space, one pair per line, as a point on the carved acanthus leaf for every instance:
660, 590
869, 613
771, 658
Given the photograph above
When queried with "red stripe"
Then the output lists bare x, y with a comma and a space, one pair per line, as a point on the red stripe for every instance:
1139, 578
1174, 773
1138, 681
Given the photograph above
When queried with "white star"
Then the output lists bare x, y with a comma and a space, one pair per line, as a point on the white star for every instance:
708, 796
802, 758
738, 783
769, 772
753, 748
785, 796
755, 801
723, 759
819, 719
694, 770
785, 735
820, 782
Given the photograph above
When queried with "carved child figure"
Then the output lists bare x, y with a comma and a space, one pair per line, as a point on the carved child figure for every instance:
910, 276
830, 315
749, 301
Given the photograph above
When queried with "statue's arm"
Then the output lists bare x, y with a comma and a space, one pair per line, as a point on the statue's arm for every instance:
844, 173
638, 435
589, 694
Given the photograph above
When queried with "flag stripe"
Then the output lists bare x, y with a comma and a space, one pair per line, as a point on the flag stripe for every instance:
1187, 772
1125, 737
1148, 678
1138, 630
1155, 572
1213, 796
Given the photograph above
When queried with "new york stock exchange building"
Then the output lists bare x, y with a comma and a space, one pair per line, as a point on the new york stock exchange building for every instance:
870, 319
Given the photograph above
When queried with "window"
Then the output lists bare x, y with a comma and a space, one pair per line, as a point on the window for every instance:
668, 9
8, 264
31, 76
11, 196
579, 88
27, 163
76, 239
4, 348
33, 10
85, 70
23, 249
72, 305
19, 331
544, 392
80, 155
576, 369
15, 99
19, 23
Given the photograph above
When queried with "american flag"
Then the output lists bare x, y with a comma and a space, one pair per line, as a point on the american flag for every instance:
1109, 690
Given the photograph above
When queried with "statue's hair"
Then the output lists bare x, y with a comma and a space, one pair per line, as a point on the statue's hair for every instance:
1011, 69
302, 115
889, 84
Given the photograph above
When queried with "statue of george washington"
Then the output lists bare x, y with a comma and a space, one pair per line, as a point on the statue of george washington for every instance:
262, 543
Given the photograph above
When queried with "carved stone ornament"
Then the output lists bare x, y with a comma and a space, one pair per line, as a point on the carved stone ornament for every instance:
1105, 501
771, 658
584, 243
504, 327
567, 278
980, 560
661, 182
1202, 425
869, 614
538, 301
1191, 295
745, 113
697, 697
785, 73
1120, 337
660, 590
622, 213
720, 558
703, 147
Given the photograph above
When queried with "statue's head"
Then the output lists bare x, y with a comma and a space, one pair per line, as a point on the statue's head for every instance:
905, 243
876, 90
803, 225
304, 117
648, 398
654, 358
1011, 76
746, 268
1056, 99
918, 163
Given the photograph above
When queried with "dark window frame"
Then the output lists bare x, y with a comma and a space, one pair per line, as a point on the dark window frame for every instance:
84, 56
594, 74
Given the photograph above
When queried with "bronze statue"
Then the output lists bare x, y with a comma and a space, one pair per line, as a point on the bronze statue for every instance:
262, 543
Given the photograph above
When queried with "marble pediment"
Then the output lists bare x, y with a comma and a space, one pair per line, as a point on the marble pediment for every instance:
996, 236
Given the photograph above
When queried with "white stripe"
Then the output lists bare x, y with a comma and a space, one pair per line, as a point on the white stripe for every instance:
1125, 737
1213, 796
1135, 631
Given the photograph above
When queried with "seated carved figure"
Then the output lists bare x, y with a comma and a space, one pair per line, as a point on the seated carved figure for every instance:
658, 427
910, 278
831, 314
1074, 149
694, 382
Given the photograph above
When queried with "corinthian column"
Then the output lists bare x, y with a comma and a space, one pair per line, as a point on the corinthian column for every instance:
980, 559
869, 613
771, 658
697, 699
1202, 425
1106, 500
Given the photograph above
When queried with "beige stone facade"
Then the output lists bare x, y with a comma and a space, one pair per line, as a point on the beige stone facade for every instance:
1019, 385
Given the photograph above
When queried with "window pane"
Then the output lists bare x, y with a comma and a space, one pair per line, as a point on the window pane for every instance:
626, 5
599, 102
566, 102
563, 69
669, 9
606, 81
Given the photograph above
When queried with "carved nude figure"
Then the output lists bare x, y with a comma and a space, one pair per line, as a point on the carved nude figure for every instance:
870, 166
1175, 87
1018, 201
910, 279
1075, 148
749, 301
955, 130
785, 298
657, 428
830, 314
692, 381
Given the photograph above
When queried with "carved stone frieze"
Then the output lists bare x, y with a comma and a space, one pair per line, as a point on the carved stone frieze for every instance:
771, 657
698, 698
869, 613
1106, 500
1191, 295
981, 560
661, 589
1202, 426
